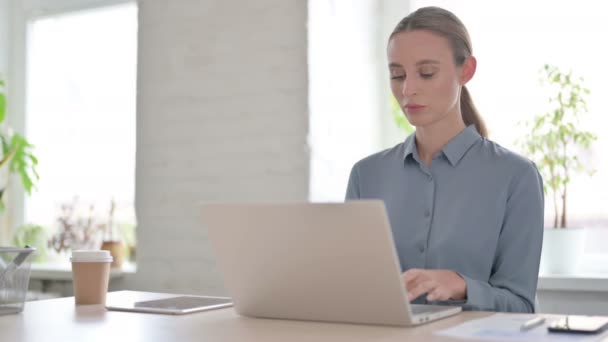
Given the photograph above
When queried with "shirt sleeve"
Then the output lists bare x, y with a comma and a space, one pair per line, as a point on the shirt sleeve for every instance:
352, 190
512, 284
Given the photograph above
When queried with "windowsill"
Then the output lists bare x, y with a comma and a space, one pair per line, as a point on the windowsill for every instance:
63, 271
583, 282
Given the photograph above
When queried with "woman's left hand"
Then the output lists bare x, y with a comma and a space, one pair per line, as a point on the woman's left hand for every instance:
438, 284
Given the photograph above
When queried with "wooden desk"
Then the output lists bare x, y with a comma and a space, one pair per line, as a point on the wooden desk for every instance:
60, 320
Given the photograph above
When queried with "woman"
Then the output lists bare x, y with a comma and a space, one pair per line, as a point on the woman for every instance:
466, 213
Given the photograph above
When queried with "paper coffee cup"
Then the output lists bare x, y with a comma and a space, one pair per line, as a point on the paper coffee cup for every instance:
90, 276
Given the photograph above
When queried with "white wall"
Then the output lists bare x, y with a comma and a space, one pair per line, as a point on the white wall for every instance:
4, 44
4, 55
222, 115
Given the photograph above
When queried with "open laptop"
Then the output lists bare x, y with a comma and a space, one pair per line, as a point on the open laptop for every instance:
332, 262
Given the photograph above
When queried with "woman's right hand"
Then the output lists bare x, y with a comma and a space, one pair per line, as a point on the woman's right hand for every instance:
439, 285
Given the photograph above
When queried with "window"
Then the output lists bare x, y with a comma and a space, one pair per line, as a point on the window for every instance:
350, 114
511, 40
80, 113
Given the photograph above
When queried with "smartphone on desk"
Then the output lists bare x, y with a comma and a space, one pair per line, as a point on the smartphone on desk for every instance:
579, 324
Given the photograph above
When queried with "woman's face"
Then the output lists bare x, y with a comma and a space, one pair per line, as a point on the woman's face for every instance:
424, 78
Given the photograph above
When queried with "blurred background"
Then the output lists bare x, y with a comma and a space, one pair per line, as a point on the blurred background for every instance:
134, 112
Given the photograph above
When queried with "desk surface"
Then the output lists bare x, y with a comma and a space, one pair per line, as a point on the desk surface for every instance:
60, 320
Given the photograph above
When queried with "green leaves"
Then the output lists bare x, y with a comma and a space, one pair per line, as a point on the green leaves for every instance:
2, 107
2, 102
34, 236
554, 138
24, 162
17, 152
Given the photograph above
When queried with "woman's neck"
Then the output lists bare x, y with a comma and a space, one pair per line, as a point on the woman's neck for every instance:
431, 139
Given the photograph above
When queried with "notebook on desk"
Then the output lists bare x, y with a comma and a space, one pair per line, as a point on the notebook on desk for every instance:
324, 262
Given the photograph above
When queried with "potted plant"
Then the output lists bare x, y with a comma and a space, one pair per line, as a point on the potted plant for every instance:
16, 155
554, 142
32, 235
76, 229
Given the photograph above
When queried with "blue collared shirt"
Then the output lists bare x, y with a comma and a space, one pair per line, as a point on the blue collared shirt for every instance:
477, 210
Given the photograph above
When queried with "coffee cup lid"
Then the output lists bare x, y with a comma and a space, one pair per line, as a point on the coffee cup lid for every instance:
91, 256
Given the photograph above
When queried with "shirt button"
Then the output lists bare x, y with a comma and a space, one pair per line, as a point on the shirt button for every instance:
427, 213
421, 248
430, 178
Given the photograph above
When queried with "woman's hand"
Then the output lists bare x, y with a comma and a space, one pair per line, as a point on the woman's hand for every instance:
438, 284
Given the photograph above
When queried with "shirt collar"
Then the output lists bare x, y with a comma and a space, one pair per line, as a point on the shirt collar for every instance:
454, 150
409, 146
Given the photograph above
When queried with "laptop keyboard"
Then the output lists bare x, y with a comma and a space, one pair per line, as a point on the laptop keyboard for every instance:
418, 309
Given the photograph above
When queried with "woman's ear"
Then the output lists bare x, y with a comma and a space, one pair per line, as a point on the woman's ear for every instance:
468, 70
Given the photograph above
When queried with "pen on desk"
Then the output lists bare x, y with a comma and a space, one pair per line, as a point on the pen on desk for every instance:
534, 322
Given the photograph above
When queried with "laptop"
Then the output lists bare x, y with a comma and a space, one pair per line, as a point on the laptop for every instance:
331, 262
167, 304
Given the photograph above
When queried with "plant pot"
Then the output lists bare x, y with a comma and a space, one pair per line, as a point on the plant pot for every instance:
562, 249
116, 250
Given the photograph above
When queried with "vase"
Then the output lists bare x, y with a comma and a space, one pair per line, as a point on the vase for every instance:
562, 249
116, 249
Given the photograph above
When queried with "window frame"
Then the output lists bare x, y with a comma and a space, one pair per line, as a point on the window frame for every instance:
21, 14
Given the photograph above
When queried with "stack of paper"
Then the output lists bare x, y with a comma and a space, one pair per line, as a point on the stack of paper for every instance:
505, 327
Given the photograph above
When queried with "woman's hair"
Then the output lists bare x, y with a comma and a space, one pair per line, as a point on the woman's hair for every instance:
445, 24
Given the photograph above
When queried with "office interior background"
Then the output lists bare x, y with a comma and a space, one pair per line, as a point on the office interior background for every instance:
153, 107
